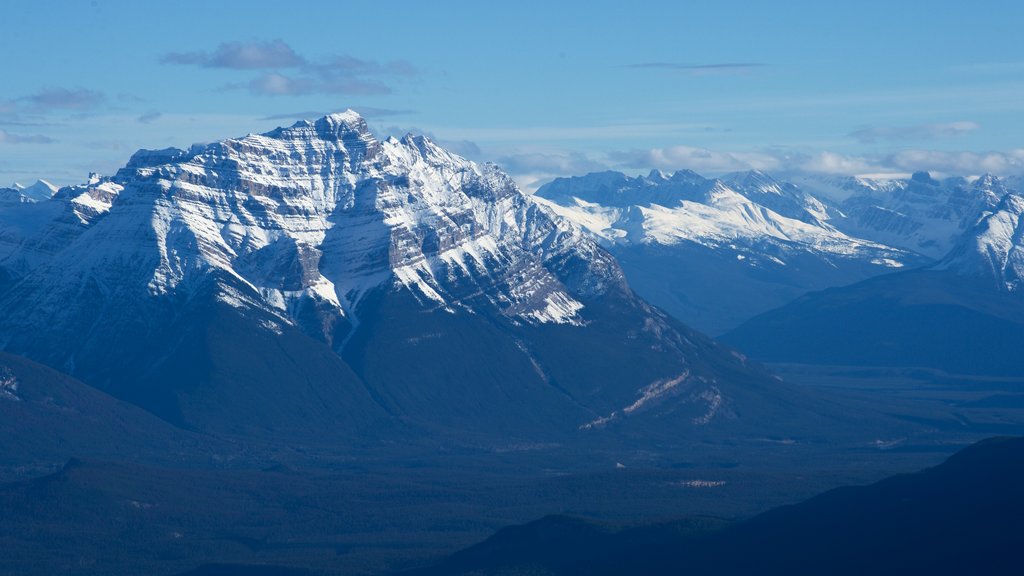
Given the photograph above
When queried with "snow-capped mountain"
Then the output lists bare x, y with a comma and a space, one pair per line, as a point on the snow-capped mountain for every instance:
314, 276
32, 232
18, 194
784, 198
919, 214
744, 209
715, 252
38, 191
994, 248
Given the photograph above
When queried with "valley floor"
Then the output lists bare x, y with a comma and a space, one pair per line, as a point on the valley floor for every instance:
384, 510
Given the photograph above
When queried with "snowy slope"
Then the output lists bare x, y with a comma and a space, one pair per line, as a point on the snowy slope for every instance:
714, 213
401, 212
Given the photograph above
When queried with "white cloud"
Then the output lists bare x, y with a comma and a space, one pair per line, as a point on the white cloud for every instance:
698, 159
532, 169
915, 132
1002, 163
334, 74
240, 56
833, 163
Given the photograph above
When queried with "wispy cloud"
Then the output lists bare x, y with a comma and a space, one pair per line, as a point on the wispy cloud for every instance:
1001, 163
288, 73
698, 159
556, 133
51, 99
364, 111
277, 84
531, 169
718, 68
825, 162
240, 56
8, 138
548, 163
915, 132
149, 117
51, 107
350, 66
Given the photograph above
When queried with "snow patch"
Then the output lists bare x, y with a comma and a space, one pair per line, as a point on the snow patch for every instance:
654, 391
699, 483
559, 308
272, 326
8, 386
713, 397
650, 393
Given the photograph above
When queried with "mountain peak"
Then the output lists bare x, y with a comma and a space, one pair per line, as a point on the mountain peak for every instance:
924, 177
753, 180
37, 192
347, 126
657, 175
341, 124
347, 116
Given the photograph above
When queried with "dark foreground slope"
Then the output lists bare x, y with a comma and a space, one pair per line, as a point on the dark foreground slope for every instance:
47, 417
961, 517
925, 318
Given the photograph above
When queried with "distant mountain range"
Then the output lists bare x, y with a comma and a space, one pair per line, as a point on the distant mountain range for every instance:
963, 314
919, 213
959, 517
716, 252
899, 272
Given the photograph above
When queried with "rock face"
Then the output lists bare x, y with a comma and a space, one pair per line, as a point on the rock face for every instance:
715, 252
994, 248
920, 213
314, 278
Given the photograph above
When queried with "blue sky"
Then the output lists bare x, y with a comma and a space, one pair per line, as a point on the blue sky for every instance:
542, 88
